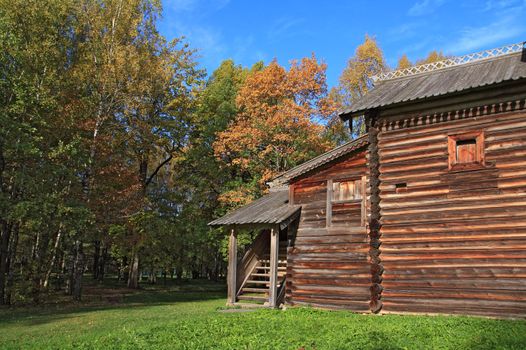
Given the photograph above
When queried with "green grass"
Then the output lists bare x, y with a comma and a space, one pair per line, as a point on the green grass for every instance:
189, 317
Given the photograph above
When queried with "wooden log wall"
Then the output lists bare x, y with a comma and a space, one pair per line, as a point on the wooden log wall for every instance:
327, 266
376, 266
454, 242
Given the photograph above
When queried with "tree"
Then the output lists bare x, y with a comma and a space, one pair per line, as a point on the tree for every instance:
93, 102
158, 122
404, 62
433, 56
277, 127
200, 177
206, 173
355, 80
39, 142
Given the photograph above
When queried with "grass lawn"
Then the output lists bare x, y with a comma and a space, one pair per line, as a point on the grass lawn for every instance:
188, 316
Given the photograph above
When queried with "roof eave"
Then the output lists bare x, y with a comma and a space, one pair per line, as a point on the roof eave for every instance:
345, 116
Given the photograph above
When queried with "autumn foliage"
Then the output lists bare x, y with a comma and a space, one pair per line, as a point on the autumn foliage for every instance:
115, 152
279, 123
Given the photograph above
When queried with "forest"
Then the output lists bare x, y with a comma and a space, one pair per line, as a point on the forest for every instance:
117, 148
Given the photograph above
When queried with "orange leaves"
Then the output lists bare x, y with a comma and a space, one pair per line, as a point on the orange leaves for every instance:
278, 124
236, 198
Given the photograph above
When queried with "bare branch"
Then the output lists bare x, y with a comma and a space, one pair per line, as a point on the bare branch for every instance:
157, 169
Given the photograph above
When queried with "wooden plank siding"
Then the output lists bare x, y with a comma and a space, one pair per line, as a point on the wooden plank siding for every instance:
327, 264
454, 241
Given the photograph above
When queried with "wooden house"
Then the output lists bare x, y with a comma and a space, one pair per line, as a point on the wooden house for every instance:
426, 213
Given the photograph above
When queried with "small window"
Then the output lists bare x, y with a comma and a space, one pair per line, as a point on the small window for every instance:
346, 202
466, 151
346, 190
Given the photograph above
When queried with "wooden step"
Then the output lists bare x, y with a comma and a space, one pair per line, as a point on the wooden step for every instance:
252, 298
254, 290
257, 282
282, 268
266, 275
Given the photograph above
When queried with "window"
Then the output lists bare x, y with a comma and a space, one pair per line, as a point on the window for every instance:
466, 151
346, 202
346, 190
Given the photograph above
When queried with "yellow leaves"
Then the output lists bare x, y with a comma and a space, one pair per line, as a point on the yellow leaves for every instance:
433, 56
404, 62
355, 79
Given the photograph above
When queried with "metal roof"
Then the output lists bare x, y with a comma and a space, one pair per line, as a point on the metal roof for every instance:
320, 160
441, 82
272, 208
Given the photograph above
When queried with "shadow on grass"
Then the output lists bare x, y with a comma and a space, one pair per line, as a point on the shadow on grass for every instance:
113, 296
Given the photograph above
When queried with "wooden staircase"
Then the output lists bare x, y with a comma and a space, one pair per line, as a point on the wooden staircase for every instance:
255, 288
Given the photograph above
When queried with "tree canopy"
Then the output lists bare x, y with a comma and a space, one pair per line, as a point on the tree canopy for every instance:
277, 125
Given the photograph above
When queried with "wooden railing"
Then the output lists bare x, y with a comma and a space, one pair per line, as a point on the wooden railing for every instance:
250, 260
281, 290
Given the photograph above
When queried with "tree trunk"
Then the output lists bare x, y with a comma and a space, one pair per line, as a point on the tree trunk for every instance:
41, 246
63, 271
78, 271
53, 257
179, 272
102, 264
11, 268
96, 257
70, 266
5, 235
34, 249
125, 269
133, 276
153, 277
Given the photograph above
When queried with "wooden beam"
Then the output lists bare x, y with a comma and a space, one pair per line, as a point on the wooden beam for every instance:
364, 201
232, 267
328, 209
274, 256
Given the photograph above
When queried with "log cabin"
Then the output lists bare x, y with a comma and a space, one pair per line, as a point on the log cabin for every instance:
426, 213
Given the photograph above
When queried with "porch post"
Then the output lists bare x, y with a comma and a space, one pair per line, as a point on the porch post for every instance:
274, 255
232, 268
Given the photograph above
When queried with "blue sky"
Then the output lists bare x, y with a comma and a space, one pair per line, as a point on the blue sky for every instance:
249, 31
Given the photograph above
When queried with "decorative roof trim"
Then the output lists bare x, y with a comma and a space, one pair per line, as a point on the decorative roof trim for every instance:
451, 62
470, 112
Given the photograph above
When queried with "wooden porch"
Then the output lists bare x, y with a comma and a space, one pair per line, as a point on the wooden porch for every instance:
258, 278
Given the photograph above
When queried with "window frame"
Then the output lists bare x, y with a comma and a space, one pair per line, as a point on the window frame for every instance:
453, 164
362, 201
353, 179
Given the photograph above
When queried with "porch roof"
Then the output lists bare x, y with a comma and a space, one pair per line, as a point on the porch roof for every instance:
271, 209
